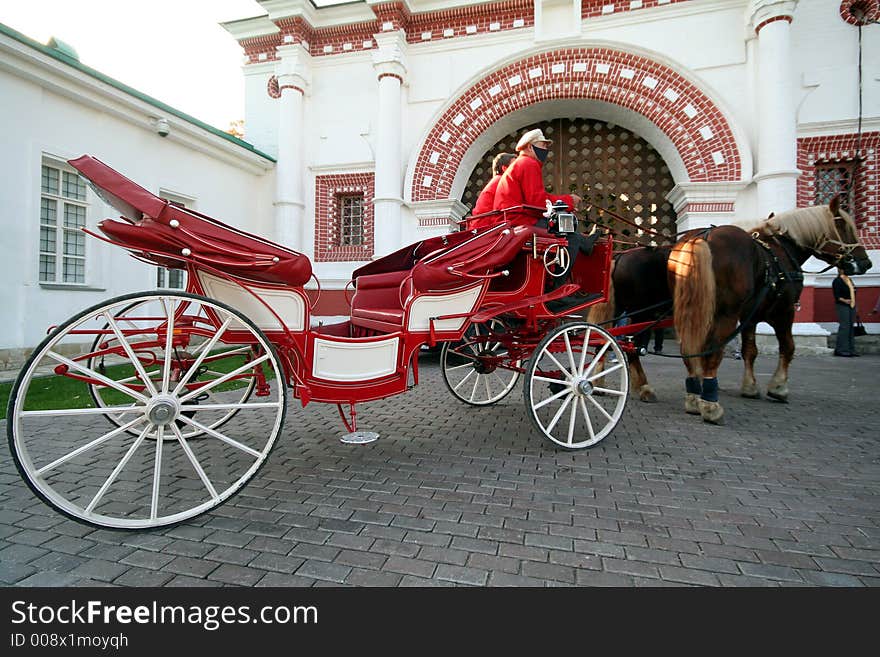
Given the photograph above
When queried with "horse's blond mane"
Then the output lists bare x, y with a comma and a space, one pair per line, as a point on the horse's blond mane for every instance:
807, 227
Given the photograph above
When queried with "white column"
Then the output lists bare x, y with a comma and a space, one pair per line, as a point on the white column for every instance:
390, 65
292, 74
777, 119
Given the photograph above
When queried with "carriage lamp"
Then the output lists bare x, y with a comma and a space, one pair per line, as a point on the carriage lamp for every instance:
566, 222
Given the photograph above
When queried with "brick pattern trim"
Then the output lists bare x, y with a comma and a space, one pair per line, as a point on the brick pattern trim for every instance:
272, 88
708, 207
594, 8
693, 123
870, 9
423, 27
787, 19
327, 190
391, 75
842, 148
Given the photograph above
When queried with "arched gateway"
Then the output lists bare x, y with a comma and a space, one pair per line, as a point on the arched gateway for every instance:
688, 129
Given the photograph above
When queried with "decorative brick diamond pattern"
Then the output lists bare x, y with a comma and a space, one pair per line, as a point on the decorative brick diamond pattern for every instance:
592, 73
328, 190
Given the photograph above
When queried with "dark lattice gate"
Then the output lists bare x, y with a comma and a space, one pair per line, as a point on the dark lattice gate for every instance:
606, 164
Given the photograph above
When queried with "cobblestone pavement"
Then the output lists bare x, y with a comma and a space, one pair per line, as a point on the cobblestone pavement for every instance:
784, 494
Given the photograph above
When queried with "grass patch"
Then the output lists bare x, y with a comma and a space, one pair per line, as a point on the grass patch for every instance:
47, 391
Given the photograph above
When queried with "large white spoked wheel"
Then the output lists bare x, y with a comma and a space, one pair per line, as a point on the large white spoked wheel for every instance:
143, 470
576, 385
471, 369
152, 356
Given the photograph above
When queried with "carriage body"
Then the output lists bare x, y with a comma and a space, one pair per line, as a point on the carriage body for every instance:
242, 336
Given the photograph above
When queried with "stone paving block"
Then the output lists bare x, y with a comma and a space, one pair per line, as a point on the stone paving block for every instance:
406, 566
231, 555
143, 577
236, 575
98, 569
324, 571
393, 547
281, 579
182, 581
766, 571
548, 571
628, 567
316, 552
688, 576
497, 578
10, 572
191, 567
461, 575
150, 560
51, 578
359, 577
360, 559
21, 553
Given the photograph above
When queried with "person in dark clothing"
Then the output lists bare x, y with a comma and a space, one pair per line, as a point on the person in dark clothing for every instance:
845, 304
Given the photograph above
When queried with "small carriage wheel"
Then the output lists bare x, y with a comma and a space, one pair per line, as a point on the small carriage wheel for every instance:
95, 391
576, 385
469, 368
113, 478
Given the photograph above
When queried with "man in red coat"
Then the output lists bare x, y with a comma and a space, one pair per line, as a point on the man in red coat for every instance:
523, 183
486, 200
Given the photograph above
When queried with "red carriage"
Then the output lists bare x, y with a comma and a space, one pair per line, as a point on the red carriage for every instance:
178, 397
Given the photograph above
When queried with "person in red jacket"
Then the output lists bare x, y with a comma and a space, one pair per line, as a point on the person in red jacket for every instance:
486, 200
523, 182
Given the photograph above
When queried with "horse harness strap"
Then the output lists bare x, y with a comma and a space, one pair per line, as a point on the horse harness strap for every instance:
775, 275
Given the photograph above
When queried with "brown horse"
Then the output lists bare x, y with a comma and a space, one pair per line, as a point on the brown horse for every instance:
638, 288
724, 276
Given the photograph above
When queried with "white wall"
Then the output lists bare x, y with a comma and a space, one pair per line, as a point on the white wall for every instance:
38, 121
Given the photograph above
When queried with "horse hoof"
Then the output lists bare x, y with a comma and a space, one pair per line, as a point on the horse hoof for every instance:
778, 396
692, 404
751, 394
712, 412
646, 394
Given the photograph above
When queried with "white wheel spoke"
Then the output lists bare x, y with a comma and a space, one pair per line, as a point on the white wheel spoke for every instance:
461, 383
135, 361
488, 389
101, 410
552, 398
458, 367
157, 472
208, 346
571, 419
500, 380
98, 377
597, 358
584, 349
559, 413
220, 355
617, 393
605, 372
474, 391
569, 352
583, 406
548, 379
195, 463
91, 445
568, 374
601, 410
221, 407
220, 436
216, 382
169, 342
118, 469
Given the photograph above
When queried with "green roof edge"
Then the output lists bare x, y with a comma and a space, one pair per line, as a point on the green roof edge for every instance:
75, 63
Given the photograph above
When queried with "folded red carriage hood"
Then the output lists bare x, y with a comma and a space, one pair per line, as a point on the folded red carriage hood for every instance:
130, 199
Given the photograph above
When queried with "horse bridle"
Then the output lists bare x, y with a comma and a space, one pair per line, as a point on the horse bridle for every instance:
841, 250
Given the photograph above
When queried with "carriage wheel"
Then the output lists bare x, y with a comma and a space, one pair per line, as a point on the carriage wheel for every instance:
129, 318
470, 369
115, 476
576, 385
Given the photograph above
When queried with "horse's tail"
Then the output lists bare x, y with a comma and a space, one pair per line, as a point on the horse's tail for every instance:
690, 266
601, 313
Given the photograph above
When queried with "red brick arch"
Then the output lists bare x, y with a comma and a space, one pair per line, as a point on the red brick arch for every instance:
693, 123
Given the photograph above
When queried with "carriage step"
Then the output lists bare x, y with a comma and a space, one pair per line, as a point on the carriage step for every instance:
359, 437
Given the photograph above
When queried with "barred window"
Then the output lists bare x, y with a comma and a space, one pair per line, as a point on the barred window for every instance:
351, 220
832, 178
63, 211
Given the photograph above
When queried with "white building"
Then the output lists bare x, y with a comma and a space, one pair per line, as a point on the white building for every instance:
372, 124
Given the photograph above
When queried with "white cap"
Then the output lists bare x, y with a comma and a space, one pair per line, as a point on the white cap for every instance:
531, 137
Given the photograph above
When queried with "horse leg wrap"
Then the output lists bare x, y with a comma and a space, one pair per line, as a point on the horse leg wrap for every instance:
710, 390
692, 385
